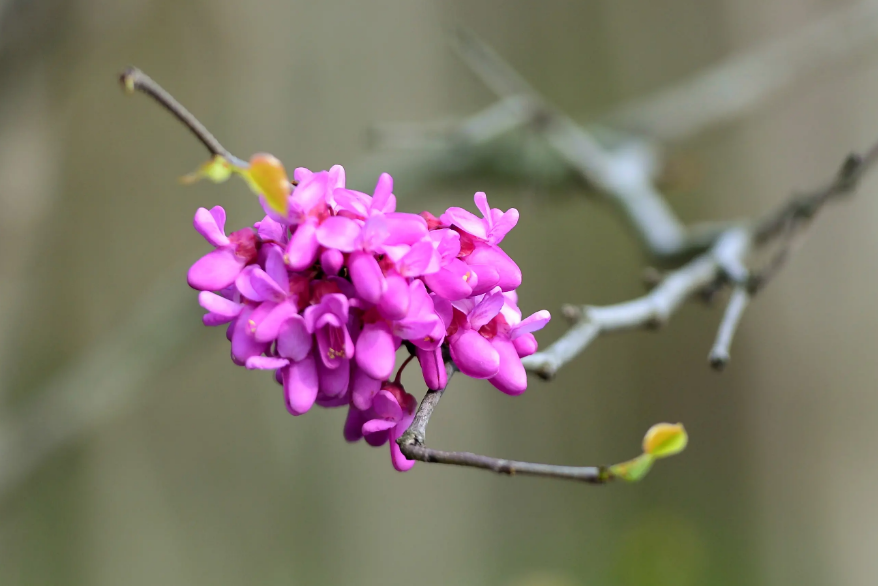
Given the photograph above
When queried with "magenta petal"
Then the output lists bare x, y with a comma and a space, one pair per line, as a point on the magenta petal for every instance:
331, 261
396, 299
397, 458
405, 228
466, 221
244, 345
416, 329
301, 173
385, 406
271, 230
525, 345
353, 425
334, 381
302, 249
486, 310
265, 363
214, 271
310, 191
375, 232
451, 281
219, 306
265, 287
244, 286
443, 309
352, 201
293, 340
339, 233
481, 201
511, 377
433, 368
421, 259
267, 329
376, 352
363, 388
448, 244
502, 225
276, 269
474, 355
367, 276
486, 279
377, 425
300, 385
510, 274
205, 223
532, 323
382, 193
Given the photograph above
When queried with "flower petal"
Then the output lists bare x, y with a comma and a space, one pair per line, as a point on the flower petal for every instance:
433, 368
421, 259
300, 385
268, 329
265, 287
486, 254
395, 301
487, 309
385, 406
534, 322
486, 279
353, 425
265, 363
276, 269
466, 221
377, 425
331, 261
339, 233
334, 381
302, 249
381, 195
511, 377
293, 340
214, 271
376, 352
207, 224
363, 388
221, 310
451, 281
404, 228
525, 345
474, 355
367, 276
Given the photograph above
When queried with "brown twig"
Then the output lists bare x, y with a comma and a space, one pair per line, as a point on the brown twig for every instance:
133, 79
411, 444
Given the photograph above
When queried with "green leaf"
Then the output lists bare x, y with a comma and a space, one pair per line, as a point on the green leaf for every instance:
665, 439
633, 470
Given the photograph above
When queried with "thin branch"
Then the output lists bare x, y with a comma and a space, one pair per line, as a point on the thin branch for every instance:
729, 89
650, 311
625, 176
720, 353
133, 79
411, 444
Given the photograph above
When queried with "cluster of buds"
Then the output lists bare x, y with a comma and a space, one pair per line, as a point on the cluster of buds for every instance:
327, 287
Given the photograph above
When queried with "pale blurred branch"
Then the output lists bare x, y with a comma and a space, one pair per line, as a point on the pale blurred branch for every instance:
626, 177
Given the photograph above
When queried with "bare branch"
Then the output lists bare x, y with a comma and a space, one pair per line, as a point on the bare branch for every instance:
133, 79
738, 301
650, 311
624, 176
411, 444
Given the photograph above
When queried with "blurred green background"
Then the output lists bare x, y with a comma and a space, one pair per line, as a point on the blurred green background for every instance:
133, 452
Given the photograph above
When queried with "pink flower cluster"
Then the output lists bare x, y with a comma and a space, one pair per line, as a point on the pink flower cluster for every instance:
326, 294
